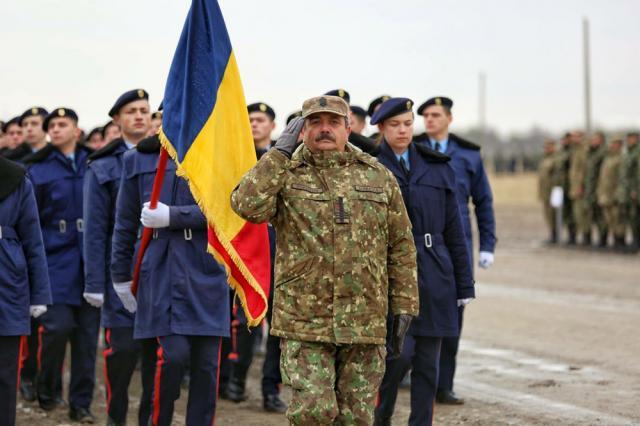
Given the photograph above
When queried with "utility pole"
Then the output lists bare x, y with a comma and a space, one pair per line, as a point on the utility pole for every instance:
587, 76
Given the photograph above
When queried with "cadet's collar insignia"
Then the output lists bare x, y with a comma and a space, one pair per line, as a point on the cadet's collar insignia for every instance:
385, 98
341, 93
322, 102
263, 108
438, 101
409, 104
34, 111
61, 112
140, 93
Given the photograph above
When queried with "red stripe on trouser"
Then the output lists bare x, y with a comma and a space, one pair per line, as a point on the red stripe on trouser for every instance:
23, 353
40, 333
156, 387
213, 421
108, 351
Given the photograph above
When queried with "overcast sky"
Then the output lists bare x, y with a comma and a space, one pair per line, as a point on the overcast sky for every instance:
85, 53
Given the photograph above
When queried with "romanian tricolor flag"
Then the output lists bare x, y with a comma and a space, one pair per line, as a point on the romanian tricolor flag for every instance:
206, 130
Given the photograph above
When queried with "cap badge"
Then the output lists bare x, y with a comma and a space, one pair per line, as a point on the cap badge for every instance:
34, 111
438, 101
61, 112
408, 105
140, 93
263, 108
322, 102
385, 98
341, 93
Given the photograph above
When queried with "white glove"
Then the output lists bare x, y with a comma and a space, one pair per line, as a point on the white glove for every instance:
155, 218
94, 299
123, 290
486, 259
464, 302
37, 310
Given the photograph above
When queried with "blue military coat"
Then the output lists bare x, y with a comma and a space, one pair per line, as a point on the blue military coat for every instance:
24, 280
182, 289
472, 184
101, 185
58, 189
444, 269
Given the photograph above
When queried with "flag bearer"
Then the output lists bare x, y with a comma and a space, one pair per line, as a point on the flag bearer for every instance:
183, 297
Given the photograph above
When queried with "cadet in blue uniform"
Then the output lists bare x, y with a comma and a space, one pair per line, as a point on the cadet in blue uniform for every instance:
262, 118
183, 296
472, 184
131, 113
24, 281
427, 183
57, 173
34, 140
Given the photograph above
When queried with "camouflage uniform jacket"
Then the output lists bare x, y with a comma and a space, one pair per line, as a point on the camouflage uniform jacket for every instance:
629, 175
561, 169
577, 167
595, 157
546, 170
345, 253
608, 180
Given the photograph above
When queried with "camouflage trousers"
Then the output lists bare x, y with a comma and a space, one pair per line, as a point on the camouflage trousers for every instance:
331, 384
580, 208
549, 214
613, 217
595, 217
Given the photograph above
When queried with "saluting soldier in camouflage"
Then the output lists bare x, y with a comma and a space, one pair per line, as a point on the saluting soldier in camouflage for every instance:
345, 255
545, 185
627, 193
594, 215
561, 179
577, 168
607, 184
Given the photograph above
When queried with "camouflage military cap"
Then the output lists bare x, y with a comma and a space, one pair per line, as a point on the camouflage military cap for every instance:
326, 103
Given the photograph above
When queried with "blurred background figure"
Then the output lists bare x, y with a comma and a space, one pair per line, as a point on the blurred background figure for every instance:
560, 178
606, 189
358, 119
110, 131
94, 139
627, 192
13, 133
577, 167
156, 122
593, 213
545, 185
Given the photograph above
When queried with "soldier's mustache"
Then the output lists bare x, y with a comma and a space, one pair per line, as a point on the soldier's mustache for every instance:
325, 136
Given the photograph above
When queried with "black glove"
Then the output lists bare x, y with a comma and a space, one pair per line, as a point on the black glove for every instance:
401, 324
287, 141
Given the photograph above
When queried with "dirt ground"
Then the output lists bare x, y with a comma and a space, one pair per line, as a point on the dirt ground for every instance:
552, 338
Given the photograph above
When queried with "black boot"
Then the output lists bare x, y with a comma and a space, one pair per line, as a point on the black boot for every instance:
604, 237
620, 244
378, 421
27, 390
235, 390
572, 238
273, 404
586, 239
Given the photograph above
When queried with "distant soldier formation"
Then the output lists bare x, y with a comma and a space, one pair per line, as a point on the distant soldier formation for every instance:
589, 188
370, 242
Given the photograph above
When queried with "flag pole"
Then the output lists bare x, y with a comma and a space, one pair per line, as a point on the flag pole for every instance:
153, 203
